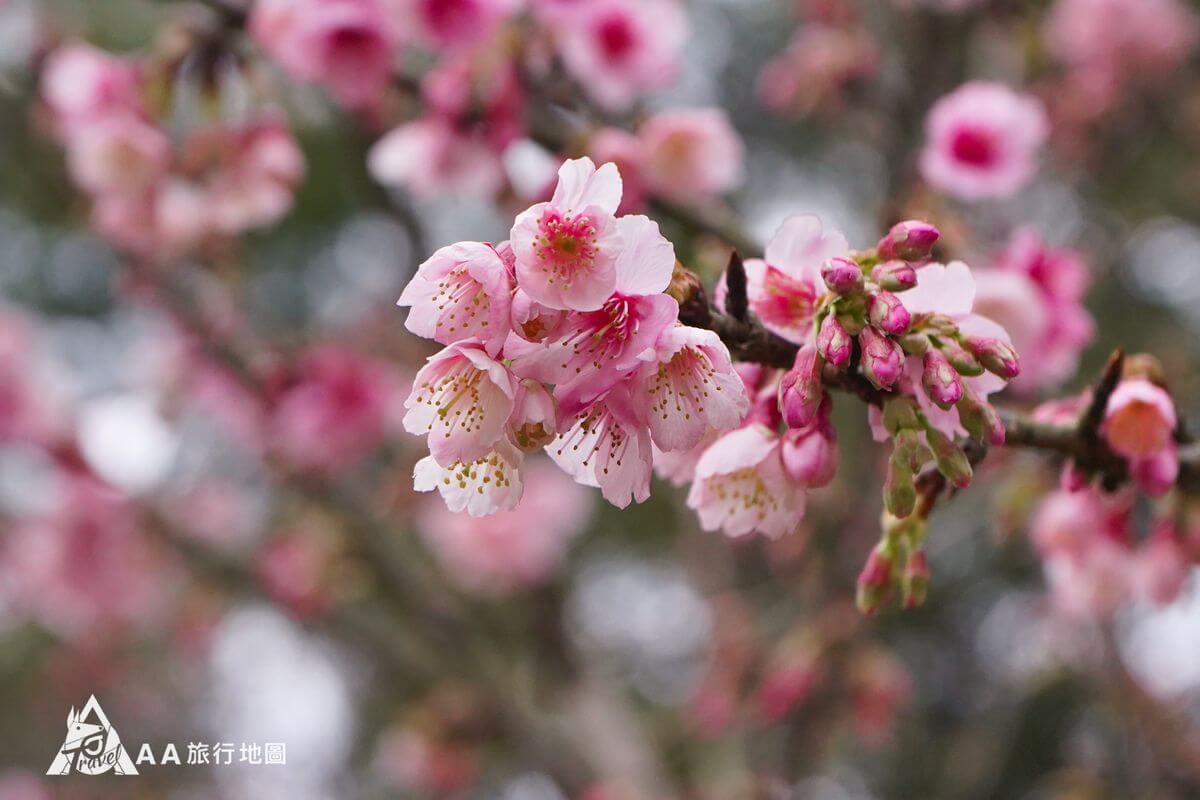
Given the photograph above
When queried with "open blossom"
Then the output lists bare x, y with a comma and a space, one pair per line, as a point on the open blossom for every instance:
82, 84
431, 156
462, 291
820, 62
120, 154
592, 351
462, 399
607, 446
1036, 293
982, 141
335, 410
741, 486
1139, 424
511, 549
691, 386
348, 46
480, 486
784, 286
618, 49
566, 250
457, 23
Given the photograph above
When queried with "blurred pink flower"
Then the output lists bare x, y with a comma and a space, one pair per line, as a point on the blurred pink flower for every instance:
1036, 293
628, 153
292, 567
17, 785
348, 46
335, 409
1139, 424
85, 566
811, 75
82, 84
618, 49
1108, 43
691, 154
121, 154
430, 156
982, 141
514, 549
449, 24
741, 486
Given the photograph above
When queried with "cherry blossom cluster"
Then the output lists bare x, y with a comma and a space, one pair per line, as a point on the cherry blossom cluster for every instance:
562, 339
155, 194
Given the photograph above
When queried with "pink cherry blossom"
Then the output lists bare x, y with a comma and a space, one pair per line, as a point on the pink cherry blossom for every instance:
463, 291
19, 785
691, 386
692, 154
462, 399
809, 454
741, 486
784, 286
592, 351
81, 85
1108, 43
514, 549
431, 156
618, 49
348, 46
607, 446
120, 154
84, 566
482, 486
982, 141
458, 23
567, 249
1139, 423
1036, 293
335, 411
812, 74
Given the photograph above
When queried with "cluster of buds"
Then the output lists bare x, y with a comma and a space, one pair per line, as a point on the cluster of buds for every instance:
896, 566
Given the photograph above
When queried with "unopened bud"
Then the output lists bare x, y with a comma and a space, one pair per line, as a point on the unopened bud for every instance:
800, 391
952, 462
940, 380
899, 414
980, 419
874, 584
886, 312
963, 362
911, 240
810, 455
895, 276
882, 358
899, 490
833, 342
996, 356
914, 583
842, 276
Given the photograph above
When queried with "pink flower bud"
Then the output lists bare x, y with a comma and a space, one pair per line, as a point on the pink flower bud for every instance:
996, 356
886, 312
800, 391
1139, 420
833, 342
810, 454
842, 275
875, 581
895, 276
940, 380
911, 240
980, 419
1157, 474
1073, 478
882, 358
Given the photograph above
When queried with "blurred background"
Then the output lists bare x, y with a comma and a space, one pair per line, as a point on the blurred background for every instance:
206, 508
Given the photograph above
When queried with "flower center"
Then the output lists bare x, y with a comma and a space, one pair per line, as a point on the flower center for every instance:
617, 37
566, 245
974, 147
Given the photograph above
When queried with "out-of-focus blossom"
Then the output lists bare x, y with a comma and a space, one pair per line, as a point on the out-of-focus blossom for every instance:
982, 141
121, 155
511, 549
1036, 293
741, 486
1139, 424
1093, 562
452, 24
413, 762
881, 687
334, 410
82, 84
86, 566
627, 151
1109, 44
348, 46
293, 568
619, 49
813, 73
15, 785
691, 154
